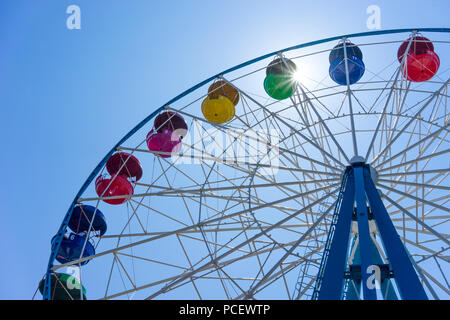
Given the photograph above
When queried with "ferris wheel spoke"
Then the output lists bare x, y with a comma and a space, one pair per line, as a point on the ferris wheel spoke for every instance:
429, 100
420, 154
294, 215
247, 241
433, 135
207, 277
437, 254
312, 162
277, 185
326, 163
274, 115
211, 157
324, 124
422, 185
349, 97
208, 270
302, 185
312, 97
283, 153
415, 198
435, 281
190, 264
264, 185
163, 192
421, 232
308, 101
135, 214
284, 150
419, 246
259, 202
290, 267
425, 195
423, 224
139, 288
234, 260
407, 173
169, 279
256, 201
219, 270
289, 252
439, 174
124, 270
442, 272
383, 112
291, 228
415, 189
432, 155
159, 212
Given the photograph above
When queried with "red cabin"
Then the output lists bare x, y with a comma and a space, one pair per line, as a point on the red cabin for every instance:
113, 186
129, 166
421, 62
421, 67
419, 45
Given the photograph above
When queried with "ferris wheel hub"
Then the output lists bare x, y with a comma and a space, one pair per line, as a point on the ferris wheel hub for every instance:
357, 159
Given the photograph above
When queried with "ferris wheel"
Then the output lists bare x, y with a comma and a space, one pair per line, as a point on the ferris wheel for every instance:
319, 171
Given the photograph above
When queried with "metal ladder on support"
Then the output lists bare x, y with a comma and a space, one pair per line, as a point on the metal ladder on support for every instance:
308, 271
326, 250
347, 282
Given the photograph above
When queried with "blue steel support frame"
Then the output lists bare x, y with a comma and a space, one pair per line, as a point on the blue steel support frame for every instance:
406, 278
333, 276
387, 289
101, 164
353, 289
364, 233
361, 189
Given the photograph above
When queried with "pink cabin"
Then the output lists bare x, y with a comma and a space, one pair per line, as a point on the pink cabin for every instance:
171, 121
164, 143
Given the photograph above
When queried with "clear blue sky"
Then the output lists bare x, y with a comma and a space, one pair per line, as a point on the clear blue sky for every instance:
67, 96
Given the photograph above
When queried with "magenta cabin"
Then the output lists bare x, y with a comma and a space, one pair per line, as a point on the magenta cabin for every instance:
171, 121
164, 144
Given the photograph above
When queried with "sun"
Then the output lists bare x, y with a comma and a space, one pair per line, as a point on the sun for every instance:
298, 76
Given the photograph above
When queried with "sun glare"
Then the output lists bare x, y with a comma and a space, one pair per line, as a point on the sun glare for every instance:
298, 76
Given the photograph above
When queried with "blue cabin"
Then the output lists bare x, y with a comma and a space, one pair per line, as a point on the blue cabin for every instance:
70, 249
81, 219
355, 64
338, 52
